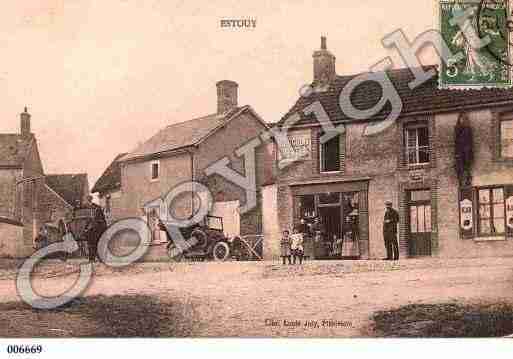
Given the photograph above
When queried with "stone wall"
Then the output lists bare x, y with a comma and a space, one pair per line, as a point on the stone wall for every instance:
380, 159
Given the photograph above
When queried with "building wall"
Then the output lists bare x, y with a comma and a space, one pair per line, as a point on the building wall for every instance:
371, 158
32, 218
223, 143
11, 239
8, 178
379, 158
486, 171
138, 188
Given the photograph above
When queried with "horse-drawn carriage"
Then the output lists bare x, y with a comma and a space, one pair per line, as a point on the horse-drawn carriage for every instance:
77, 228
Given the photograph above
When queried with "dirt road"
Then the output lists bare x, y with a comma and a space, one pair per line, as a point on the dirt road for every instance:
258, 299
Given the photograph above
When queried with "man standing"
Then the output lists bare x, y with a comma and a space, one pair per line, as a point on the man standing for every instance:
95, 227
390, 231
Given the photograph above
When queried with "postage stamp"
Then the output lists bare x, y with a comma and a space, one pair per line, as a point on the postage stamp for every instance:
477, 35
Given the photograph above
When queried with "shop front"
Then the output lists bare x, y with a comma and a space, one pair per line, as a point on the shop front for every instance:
333, 218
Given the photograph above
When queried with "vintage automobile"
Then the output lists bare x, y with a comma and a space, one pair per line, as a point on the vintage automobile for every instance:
205, 240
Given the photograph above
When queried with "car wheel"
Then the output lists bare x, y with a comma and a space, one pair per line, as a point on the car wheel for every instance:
201, 237
221, 251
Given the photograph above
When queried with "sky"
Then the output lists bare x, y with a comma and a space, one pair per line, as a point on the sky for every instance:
99, 77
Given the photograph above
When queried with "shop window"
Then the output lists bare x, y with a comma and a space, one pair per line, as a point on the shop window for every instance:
486, 211
307, 204
491, 211
416, 144
506, 138
330, 154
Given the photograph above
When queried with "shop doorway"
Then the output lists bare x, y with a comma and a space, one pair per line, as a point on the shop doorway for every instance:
419, 236
330, 220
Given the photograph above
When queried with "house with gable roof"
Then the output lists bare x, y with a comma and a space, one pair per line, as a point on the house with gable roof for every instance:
28, 197
181, 152
446, 164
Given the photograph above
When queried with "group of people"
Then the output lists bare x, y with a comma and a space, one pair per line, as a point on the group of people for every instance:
92, 233
292, 247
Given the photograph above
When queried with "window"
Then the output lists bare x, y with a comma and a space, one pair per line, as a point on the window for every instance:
491, 211
506, 138
155, 170
330, 155
416, 144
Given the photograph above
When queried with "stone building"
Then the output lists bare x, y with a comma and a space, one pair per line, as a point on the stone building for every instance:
180, 153
28, 197
445, 210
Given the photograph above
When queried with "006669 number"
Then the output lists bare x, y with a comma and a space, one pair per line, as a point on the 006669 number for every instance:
24, 349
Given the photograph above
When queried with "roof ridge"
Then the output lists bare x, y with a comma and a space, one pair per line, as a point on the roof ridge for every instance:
66, 174
209, 116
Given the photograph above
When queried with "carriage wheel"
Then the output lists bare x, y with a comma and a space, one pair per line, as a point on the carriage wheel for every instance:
221, 251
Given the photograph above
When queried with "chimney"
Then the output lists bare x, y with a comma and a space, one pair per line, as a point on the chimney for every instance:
324, 65
25, 123
226, 95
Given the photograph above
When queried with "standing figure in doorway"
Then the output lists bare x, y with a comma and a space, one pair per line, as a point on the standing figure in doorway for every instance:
390, 231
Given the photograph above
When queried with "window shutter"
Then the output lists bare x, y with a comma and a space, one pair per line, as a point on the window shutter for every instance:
402, 144
342, 152
508, 202
316, 150
466, 205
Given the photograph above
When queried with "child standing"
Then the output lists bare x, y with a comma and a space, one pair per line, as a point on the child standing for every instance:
297, 246
285, 243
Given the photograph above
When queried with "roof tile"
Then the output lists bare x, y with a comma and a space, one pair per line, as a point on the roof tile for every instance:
424, 99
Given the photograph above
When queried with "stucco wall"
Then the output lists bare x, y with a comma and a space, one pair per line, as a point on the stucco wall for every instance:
138, 188
223, 143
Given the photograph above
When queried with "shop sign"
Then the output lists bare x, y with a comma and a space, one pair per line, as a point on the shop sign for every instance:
301, 146
466, 214
416, 175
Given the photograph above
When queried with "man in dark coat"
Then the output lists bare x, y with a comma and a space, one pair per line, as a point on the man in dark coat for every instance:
390, 231
95, 228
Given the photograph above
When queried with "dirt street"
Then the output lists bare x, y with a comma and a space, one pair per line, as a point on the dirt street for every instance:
261, 299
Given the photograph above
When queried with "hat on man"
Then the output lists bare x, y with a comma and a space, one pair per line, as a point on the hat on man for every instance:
388, 202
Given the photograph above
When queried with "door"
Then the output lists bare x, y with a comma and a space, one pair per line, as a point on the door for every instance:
419, 238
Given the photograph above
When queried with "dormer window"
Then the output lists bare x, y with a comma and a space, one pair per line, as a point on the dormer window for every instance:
155, 170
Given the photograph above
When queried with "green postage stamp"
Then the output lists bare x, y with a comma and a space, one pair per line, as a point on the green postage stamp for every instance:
477, 38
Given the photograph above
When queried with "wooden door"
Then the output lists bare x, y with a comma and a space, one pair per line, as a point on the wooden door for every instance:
419, 208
